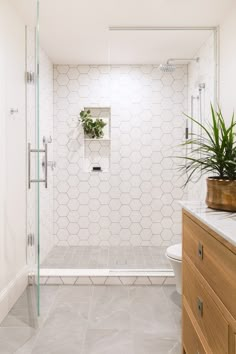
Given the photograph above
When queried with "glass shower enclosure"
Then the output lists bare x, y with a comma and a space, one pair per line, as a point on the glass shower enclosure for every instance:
36, 153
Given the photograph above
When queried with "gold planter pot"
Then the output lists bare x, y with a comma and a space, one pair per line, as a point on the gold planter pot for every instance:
221, 194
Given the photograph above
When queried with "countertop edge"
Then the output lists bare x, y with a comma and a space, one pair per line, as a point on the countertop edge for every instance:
188, 206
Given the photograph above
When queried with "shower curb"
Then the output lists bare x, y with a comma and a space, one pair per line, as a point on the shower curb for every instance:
105, 277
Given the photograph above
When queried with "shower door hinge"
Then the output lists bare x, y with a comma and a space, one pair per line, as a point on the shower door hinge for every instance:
30, 240
31, 279
30, 77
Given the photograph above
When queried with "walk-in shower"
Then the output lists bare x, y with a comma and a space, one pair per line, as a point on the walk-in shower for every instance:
113, 224
99, 211
169, 67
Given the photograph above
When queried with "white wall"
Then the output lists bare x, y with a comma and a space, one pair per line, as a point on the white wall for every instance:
227, 63
12, 155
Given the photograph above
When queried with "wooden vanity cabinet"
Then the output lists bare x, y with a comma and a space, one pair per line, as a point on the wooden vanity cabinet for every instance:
209, 290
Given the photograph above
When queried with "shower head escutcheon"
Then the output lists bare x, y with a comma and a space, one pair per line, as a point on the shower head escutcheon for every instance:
168, 67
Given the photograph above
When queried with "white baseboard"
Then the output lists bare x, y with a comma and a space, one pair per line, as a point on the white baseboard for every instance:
11, 293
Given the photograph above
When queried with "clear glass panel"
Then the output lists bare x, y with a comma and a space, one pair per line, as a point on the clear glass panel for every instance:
39, 161
32, 129
32, 119
19, 236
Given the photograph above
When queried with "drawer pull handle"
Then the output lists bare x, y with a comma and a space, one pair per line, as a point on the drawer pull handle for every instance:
200, 250
200, 307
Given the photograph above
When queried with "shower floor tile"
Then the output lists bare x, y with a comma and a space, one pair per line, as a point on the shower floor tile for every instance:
117, 257
96, 320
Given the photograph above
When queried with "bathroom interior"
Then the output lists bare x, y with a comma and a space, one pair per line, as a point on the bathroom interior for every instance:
92, 258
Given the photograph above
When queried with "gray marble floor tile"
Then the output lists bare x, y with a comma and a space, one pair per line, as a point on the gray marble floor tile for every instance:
175, 303
151, 344
110, 308
104, 341
74, 294
13, 338
98, 320
150, 312
64, 331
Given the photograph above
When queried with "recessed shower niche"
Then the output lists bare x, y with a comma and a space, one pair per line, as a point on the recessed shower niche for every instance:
97, 150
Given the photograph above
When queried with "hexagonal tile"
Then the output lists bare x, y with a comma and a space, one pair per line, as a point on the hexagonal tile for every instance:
62, 210
62, 91
63, 187
62, 198
62, 79
73, 73
73, 204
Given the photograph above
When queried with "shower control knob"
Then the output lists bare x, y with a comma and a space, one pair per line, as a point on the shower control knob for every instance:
13, 111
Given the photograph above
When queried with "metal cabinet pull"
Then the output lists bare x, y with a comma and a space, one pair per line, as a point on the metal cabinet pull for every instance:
46, 166
200, 306
45, 180
200, 250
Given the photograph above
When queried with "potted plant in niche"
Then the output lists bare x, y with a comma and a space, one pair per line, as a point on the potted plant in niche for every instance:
93, 128
214, 153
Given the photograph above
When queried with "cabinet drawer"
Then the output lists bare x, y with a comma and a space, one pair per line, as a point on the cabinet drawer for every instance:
209, 318
214, 261
191, 341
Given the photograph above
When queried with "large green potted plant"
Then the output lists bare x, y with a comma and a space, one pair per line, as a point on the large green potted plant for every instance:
93, 128
213, 152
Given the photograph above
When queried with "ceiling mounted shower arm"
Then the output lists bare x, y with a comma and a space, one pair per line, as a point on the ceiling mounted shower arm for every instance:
169, 61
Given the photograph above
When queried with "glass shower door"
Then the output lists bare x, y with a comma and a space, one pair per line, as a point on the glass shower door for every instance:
36, 150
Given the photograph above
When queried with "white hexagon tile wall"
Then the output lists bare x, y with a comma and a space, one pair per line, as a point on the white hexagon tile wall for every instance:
46, 129
135, 201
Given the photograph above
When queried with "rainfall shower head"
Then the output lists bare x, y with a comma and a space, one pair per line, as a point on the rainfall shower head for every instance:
169, 68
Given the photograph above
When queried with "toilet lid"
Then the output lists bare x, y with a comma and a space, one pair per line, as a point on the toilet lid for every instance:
175, 252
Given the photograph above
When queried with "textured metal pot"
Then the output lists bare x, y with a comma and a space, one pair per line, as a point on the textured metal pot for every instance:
221, 194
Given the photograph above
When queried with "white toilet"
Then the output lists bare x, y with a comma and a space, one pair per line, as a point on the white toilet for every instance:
174, 254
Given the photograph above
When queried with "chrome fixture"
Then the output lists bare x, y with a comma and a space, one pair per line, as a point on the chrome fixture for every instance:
51, 164
45, 151
13, 111
30, 77
169, 68
161, 28
47, 140
30, 240
201, 86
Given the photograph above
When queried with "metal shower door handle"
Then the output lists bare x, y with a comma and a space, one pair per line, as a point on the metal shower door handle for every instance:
46, 165
45, 180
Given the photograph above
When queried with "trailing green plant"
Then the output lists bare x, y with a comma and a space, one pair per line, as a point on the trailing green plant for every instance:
213, 150
93, 128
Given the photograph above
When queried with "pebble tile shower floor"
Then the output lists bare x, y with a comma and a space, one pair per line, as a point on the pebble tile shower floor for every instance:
95, 320
99, 257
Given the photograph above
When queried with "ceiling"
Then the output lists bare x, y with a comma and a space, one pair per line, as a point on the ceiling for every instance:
77, 31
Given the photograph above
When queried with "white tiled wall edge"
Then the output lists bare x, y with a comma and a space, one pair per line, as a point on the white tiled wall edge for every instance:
108, 280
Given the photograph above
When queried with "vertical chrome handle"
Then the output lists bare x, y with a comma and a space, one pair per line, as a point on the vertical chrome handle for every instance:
45, 151
200, 250
46, 165
29, 166
200, 306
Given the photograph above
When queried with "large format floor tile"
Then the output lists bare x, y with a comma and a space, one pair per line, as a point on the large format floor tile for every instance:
95, 320
107, 341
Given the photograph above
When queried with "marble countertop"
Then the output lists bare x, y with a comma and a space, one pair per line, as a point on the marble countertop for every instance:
223, 223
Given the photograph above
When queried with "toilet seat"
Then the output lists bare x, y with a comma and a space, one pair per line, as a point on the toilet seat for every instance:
175, 252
